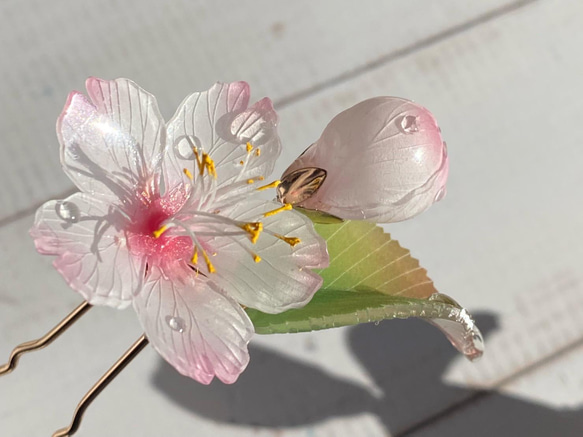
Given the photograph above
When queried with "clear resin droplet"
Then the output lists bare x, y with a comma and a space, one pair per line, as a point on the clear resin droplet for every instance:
184, 148
459, 327
68, 211
176, 323
409, 124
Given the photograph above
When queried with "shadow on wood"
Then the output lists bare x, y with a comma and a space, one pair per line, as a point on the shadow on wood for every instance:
406, 359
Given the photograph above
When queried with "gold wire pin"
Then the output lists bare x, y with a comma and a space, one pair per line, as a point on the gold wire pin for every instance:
45, 340
100, 385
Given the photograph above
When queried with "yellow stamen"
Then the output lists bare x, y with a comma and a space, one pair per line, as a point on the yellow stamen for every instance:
209, 164
250, 181
205, 161
188, 174
254, 229
242, 162
274, 184
194, 259
261, 178
257, 152
256, 258
249, 147
159, 232
292, 241
285, 207
209, 265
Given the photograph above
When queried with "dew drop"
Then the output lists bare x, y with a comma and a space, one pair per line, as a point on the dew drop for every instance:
176, 323
440, 194
183, 148
68, 211
409, 124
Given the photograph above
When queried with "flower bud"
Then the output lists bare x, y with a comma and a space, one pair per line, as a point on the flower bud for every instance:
383, 160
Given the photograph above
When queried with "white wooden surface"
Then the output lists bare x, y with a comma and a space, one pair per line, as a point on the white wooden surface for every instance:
502, 77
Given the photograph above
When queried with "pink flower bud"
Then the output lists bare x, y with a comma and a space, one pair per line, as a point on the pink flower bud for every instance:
384, 161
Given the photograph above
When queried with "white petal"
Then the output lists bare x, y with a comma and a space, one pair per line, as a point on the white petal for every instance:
195, 327
135, 111
219, 123
385, 162
114, 144
91, 253
283, 279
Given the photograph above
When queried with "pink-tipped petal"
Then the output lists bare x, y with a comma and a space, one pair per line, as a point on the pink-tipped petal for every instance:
136, 113
111, 147
242, 141
282, 279
385, 162
196, 328
92, 254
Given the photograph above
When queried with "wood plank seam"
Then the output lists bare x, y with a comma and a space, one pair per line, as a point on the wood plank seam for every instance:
479, 395
405, 51
351, 74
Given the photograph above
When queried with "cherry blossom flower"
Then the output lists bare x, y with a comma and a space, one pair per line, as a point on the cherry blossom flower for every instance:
383, 160
167, 220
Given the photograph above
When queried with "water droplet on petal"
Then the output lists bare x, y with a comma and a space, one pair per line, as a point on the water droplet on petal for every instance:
176, 323
183, 148
409, 124
68, 211
440, 194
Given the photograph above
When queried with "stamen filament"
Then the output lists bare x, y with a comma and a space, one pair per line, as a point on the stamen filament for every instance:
254, 255
198, 161
285, 207
215, 217
274, 184
197, 246
209, 265
292, 241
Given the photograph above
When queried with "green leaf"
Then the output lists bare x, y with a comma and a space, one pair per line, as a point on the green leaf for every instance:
372, 278
364, 258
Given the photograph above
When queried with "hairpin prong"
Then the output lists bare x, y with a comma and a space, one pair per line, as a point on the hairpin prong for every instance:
100, 385
45, 340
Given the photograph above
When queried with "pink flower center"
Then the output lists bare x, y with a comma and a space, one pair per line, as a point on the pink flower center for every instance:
150, 217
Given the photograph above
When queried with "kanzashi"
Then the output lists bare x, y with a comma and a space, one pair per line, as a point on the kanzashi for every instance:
167, 219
